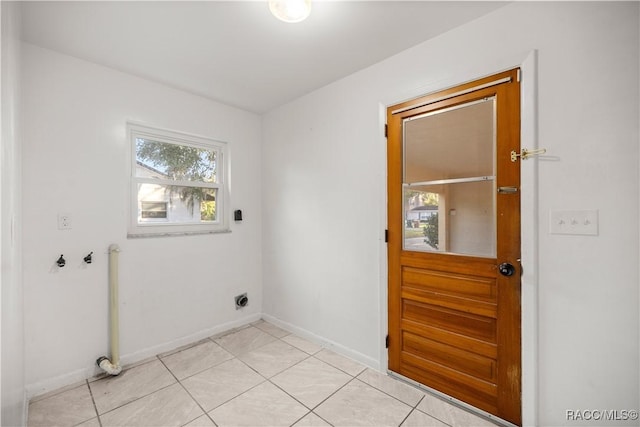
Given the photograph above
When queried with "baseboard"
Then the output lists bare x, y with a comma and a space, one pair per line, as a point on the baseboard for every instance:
25, 409
77, 377
324, 342
64, 381
146, 353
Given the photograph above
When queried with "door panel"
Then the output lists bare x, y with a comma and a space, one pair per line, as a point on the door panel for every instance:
454, 320
443, 322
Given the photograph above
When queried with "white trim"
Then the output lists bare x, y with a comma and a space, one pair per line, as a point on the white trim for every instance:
384, 266
159, 349
325, 343
170, 135
176, 233
529, 238
56, 383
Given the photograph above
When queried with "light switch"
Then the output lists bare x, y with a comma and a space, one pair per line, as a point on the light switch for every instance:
583, 222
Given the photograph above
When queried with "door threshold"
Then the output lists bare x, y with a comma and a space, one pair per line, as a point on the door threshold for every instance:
452, 400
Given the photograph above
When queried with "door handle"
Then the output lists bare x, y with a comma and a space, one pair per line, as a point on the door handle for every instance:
506, 269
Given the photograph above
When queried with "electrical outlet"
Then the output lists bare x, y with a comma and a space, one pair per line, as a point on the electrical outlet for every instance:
64, 221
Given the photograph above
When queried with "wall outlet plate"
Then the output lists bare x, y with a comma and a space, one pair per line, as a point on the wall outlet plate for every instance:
64, 221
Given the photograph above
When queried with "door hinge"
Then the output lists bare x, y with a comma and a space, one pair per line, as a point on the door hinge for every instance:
386, 236
386, 130
386, 342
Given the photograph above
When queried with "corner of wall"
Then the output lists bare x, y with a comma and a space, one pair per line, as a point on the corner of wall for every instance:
14, 401
530, 244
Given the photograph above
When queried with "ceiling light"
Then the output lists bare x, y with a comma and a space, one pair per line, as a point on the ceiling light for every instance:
290, 10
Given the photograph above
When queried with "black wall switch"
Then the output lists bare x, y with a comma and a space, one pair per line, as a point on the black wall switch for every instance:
237, 215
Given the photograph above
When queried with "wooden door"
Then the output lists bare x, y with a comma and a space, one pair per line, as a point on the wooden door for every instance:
454, 243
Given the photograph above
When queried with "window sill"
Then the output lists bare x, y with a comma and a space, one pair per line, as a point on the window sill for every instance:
175, 234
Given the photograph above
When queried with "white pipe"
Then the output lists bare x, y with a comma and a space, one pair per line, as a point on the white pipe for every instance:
112, 367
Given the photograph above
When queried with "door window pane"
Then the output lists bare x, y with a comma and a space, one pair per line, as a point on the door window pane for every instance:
449, 191
462, 221
452, 143
421, 215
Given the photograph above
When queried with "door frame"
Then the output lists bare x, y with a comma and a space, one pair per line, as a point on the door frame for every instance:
529, 226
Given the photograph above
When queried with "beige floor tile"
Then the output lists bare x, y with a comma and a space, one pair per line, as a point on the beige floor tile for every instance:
437, 408
358, 404
271, 329
244, 340
302, 344
221, 383
196, 359
182, 348
230, 331
345, 364
466, 419
312, 420
311, 381
420, 419
273, 358
234, 390
112, 392
264, 405
401, 391
58, 391
203, 421
68, 408
450, 414
171, 406
93, 422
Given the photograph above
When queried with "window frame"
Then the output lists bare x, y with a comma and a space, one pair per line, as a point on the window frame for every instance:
155, 228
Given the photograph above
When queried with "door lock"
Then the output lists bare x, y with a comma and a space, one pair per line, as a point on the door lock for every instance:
506, 269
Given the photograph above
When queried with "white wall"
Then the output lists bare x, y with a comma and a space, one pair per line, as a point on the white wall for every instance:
324, 169
173, 290
13, 407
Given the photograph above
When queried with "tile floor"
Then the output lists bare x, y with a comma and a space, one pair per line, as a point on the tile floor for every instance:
259, 375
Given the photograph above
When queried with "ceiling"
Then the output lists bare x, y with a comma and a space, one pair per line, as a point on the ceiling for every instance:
235, 52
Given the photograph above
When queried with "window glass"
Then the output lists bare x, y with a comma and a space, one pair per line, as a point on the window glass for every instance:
175, 162
177, 183
449, 180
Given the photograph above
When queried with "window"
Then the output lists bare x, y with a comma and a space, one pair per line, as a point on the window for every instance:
178, 183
